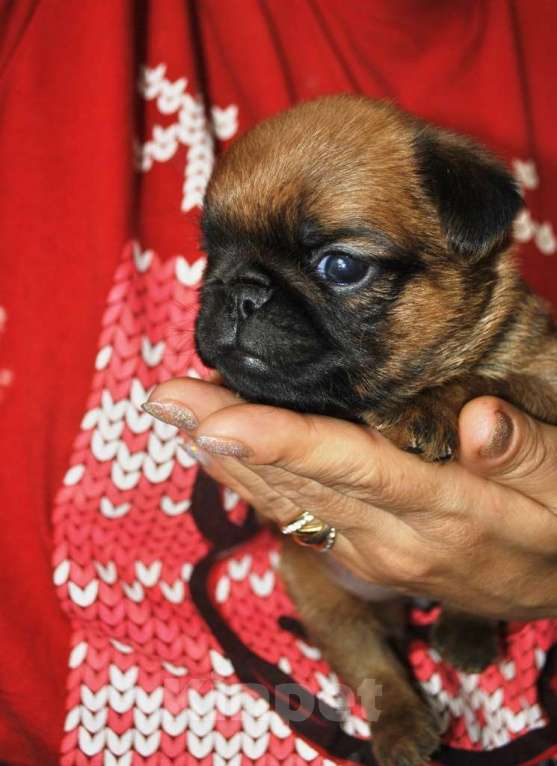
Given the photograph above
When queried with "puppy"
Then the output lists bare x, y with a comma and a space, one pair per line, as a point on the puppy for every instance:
360, 265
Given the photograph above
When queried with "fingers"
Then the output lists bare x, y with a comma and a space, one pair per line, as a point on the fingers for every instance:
184, 402
348, 458
273, 490
324, 452
501, 443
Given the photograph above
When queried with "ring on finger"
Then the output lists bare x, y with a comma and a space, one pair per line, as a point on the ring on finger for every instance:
308, 530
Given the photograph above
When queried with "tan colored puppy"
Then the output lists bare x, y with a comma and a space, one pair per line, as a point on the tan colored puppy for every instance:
360, 265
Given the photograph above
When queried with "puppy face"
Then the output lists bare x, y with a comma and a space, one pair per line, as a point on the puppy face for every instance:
355, 256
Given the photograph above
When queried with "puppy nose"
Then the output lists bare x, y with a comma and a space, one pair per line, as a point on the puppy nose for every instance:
246, 299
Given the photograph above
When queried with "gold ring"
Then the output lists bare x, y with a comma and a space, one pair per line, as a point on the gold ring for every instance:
308, 530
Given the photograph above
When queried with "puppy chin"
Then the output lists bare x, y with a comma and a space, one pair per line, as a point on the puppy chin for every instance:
238, 365
244, 372
294, 367
296, 386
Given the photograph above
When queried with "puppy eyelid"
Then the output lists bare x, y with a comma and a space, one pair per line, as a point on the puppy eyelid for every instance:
342, 248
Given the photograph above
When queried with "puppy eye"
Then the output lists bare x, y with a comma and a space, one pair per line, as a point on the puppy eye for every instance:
342, 269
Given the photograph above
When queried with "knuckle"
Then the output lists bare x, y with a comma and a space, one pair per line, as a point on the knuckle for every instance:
297, 489
284, 495
405, 568
270, 501
383, 486
448, 516
322, 501
276, 507
281, 481
306, 428
369, 482
462, 535
416, 570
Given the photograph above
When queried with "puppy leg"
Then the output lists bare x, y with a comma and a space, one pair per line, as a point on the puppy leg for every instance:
469, 643
428, 424
405, 731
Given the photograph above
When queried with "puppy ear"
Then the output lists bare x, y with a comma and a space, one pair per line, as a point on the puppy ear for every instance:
476, 197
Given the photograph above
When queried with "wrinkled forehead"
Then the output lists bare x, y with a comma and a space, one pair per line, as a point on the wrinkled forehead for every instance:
280, 231
313, 207
341, 175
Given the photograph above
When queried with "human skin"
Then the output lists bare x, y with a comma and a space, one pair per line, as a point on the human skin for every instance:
479, 533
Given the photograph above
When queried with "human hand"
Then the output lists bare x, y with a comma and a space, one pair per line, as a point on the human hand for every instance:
479, 534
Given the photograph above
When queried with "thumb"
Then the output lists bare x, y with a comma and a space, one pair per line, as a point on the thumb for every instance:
501, 443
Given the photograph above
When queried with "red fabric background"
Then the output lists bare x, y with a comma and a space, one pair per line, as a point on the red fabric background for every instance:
70, 199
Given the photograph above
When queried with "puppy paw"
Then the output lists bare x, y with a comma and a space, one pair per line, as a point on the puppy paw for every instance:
431, 435
407, 736
469, 644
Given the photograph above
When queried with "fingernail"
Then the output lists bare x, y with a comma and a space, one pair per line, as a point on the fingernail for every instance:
501, 436
225, 447
173, 413
196, 453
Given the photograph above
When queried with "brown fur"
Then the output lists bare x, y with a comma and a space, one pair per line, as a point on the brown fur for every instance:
315, 161
463, 326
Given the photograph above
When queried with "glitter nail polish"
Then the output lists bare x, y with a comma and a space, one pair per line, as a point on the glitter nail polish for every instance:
196, 453
225, 447
500, 437
172, 412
